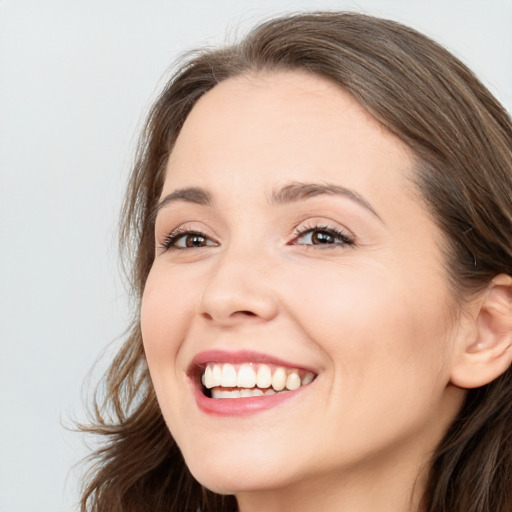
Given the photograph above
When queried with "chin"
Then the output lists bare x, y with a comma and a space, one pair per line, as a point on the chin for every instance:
232, 481
238, 472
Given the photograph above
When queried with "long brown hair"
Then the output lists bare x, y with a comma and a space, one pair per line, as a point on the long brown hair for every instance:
462, 138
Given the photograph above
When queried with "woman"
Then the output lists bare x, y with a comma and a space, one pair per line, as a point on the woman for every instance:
319, 222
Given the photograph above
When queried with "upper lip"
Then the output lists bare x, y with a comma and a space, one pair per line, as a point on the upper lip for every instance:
239, 357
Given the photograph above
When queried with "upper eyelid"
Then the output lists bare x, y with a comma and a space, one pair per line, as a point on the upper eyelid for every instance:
185, 228
300, 229
323, 224
349, 238
192, 226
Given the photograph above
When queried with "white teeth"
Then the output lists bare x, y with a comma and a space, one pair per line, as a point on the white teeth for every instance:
221, 393
245, 393
307, 379
228, 376
218, 377
246, 377
279, 379
207, 378
236, 393
264, 377
293, 381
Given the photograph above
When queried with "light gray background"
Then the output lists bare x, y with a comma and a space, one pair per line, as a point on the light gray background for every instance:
75, 80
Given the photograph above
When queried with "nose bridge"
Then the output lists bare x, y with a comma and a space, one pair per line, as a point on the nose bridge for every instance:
239, 286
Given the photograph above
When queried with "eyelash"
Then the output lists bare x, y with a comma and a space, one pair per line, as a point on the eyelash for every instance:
336, 233
174, 236
345, 239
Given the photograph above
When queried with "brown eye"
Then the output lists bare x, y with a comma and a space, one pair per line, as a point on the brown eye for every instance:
194, 240
323, 236
188, 240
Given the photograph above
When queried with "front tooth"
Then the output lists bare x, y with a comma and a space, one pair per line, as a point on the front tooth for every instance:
217, 375
293, 381
264, 377
228, 376
207, 378
279, 379
246, 377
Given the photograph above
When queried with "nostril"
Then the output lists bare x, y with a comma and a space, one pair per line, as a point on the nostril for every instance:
244, 313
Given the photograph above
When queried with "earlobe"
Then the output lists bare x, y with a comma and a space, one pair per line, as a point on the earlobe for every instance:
489, 353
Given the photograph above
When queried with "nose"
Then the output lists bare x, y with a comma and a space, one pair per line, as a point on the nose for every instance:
238, 289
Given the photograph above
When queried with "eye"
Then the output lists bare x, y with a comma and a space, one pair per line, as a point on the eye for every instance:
322, 235
185, 239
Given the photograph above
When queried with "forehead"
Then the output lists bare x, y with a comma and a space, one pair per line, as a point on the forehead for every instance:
287, 126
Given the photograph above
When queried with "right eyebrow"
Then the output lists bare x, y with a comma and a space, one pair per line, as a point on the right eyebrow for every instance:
193, 195
297, 191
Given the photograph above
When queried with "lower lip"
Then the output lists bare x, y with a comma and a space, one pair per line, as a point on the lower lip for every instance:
241, 406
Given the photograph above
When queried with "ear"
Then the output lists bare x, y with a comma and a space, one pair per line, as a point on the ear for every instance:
488, 352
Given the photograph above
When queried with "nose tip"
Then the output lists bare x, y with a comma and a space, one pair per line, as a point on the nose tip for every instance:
229, 309
232, 295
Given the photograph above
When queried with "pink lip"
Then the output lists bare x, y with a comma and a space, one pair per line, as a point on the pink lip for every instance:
240, 406
241, 356
237, 406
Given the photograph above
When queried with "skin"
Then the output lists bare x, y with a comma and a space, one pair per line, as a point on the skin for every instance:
375, 319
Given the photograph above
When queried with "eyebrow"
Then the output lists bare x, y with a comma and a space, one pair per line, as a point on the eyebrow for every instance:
193, 195
299, 191
291, 193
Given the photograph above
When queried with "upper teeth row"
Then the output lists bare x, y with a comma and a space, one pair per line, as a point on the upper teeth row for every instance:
246, 376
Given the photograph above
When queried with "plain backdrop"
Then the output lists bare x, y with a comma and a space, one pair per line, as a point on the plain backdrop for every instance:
76, 78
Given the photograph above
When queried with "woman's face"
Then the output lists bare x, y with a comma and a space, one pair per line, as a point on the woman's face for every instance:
292, 249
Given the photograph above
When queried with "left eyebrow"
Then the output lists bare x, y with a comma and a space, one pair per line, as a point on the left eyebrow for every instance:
193, 195
297, 191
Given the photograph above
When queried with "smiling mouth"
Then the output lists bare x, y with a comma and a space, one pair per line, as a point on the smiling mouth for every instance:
226, 380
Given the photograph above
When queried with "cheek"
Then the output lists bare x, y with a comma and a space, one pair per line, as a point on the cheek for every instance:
375, 327
166, 312
165, 301
387, 371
